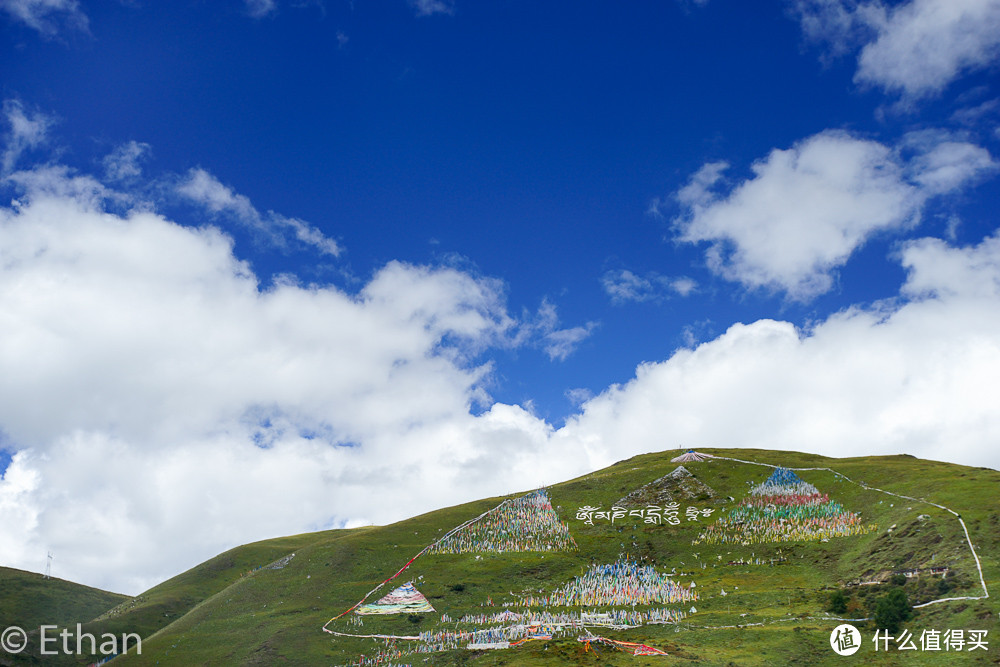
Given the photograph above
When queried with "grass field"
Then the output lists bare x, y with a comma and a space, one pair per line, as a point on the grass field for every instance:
227, 612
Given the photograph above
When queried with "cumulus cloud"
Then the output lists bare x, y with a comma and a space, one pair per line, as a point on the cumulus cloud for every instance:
624, 286
201, 187
936, 269
47, 16
163, 407
806, 209
925, 44
140, 307
915, 48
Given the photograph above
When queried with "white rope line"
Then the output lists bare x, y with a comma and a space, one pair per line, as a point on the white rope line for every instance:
975, 556
421, 553
344, 634
591, 625
775, 620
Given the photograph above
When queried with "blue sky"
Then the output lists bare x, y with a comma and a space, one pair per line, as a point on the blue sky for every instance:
529, 237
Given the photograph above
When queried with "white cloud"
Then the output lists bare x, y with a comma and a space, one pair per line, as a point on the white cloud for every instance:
25, 131
801, 214
944, 163
806, 209
137, 309
260, 8
297, 408
429, 7
561, 343
841, 24
915, 48
707, 176
936, 269
60, 181
624, 286
579, 395
47, 16
124, 163
923, 45
543, 329
205, 189
975, 114
913, 378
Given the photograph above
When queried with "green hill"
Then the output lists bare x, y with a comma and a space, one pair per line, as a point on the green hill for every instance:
544, 563
28, 600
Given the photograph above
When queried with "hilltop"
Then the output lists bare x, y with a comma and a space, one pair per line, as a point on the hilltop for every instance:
746, 576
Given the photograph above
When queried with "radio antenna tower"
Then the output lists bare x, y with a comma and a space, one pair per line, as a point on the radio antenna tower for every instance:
48, 567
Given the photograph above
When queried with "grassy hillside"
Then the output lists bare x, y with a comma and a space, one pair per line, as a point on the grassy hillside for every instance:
773, 610
159, 606
28, 600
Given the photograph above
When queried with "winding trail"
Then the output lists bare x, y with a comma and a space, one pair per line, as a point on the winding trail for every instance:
968, 539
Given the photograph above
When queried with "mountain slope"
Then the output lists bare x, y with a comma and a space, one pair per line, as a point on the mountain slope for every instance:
759, 603
156, 608
28, 600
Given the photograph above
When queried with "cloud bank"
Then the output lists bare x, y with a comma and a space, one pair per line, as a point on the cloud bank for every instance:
163, 406
909, 375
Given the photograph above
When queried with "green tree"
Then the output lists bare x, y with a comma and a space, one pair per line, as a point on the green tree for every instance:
837, 603
892, 610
